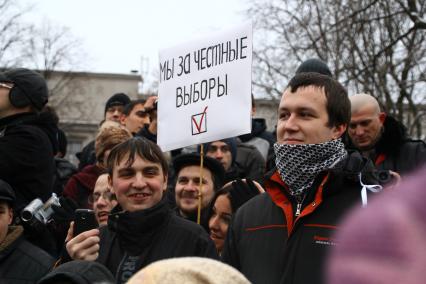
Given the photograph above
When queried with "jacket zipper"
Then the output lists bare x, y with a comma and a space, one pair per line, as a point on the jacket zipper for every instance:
299, 200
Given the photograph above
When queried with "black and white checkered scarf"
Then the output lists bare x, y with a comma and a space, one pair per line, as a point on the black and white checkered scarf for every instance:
299, 164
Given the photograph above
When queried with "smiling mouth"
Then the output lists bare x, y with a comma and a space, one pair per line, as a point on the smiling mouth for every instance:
102, 214
215, 236
139, 195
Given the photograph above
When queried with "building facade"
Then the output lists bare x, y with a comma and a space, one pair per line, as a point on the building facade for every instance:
79, 99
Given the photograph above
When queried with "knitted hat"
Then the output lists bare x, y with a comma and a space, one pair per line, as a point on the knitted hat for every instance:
314, 65
385, 242
188, 270
108, 138
119, 99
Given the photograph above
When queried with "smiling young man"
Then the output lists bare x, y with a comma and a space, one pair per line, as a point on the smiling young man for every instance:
141, 228
187, 188
283, 236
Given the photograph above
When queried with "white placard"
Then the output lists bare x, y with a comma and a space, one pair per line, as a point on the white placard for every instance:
205, 89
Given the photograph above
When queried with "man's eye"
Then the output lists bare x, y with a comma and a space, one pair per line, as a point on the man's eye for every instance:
305, 114
284, 115
126, 173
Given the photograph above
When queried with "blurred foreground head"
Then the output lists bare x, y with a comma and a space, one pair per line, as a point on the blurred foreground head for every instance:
385, 242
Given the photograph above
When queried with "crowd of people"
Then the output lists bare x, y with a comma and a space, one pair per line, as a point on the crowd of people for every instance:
264, 208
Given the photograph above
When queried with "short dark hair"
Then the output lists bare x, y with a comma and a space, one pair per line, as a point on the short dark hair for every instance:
136, 146
130, 106
338, 105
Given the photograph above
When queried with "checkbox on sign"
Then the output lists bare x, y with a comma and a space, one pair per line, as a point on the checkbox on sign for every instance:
199, 122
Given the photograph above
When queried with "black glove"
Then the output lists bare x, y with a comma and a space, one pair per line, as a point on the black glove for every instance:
65, 212
241, 192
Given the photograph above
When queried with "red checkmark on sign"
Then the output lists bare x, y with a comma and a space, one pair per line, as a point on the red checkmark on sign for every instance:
198, 126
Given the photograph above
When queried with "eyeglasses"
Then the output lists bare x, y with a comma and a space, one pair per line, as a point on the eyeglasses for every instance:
107, 195
3, 85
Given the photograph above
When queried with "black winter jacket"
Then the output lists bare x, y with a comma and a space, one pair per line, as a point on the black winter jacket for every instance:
20, 261
27, 145
133, 240
269, 244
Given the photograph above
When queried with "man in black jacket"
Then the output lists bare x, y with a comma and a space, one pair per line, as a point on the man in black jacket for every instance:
382, 138
28, 139
20, 261
141, 228
284, 235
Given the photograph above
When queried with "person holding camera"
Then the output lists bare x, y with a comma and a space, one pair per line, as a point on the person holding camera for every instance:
20, 261
383, 139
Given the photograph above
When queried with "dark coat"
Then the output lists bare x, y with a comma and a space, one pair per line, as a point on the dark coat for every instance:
395, 150
149, 235
20, 261
80, 186
87, 155
64, 171
27, 143
248, 163
268, 244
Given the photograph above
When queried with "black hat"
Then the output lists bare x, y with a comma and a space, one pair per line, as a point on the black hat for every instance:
6, 192
119, 99
79, 272
314, 65
29, 84
193, 159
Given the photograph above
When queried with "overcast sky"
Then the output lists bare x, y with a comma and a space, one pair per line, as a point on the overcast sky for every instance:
116, 34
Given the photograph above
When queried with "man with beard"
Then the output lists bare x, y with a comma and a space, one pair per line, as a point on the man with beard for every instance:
141, 228
382, 138
283, 236
187, 188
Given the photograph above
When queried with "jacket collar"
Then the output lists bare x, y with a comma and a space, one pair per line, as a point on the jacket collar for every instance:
13, 234
136, 230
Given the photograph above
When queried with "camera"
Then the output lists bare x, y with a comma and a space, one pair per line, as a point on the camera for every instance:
384, 176
37, 213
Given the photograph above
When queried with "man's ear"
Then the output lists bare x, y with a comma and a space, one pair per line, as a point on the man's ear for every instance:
339, 130
123, 119
110, 183
10, 215
382, 117
165, 183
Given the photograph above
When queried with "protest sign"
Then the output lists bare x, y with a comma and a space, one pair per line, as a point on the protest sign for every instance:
205, 89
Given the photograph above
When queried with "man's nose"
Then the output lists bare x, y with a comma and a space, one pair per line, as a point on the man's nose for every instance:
291, 124
101, 202
139, 181
191, 186
359, 130
218, 154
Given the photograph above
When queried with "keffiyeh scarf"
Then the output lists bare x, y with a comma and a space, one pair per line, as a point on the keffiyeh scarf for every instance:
299, 164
